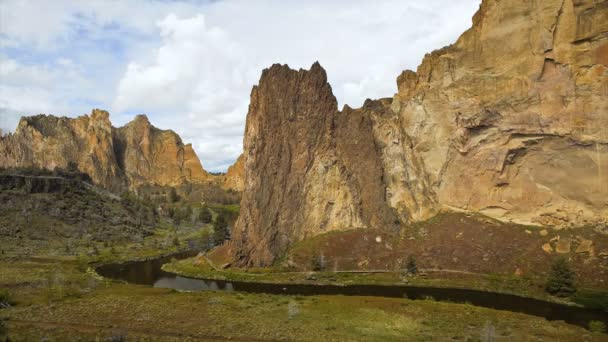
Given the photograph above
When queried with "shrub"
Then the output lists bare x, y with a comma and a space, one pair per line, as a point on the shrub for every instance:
204, 215
597, 326
411, 266
318, 262
5, 298
173, 196
561, 279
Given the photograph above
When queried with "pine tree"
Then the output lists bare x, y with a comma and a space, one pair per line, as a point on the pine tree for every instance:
220, 230
173, 197
205, 215
561, 279
411, 266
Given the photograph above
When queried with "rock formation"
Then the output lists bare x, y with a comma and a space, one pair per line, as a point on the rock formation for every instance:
115, 158
510, 121
234, 178
149, 155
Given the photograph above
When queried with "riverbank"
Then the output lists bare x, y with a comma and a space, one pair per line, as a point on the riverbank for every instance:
88, 307
202, 268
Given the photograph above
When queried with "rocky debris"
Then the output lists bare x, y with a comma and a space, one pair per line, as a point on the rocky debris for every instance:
586, 246
115, 158
563, 246
311, 276
547, 248
543, 232
225, 266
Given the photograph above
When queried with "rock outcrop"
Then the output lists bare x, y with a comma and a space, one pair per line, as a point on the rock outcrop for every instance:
234, 179
149, 155
510, 121
115, 158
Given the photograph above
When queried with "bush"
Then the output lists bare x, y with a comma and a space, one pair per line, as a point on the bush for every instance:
597, 326
561, 279
173, 196
5, 298
318, 262
204, 215
411, 266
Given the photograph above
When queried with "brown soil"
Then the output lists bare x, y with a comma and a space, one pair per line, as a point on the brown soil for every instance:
457, 242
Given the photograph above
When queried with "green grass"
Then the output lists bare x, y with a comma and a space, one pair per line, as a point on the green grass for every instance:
594, 299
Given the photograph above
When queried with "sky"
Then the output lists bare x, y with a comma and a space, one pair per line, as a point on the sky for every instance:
190, 65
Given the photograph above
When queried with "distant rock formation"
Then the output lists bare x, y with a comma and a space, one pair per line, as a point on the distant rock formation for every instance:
510, 121
234, 178
115, 158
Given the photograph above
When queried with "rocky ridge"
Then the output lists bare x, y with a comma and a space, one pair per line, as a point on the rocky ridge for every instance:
509, 121
115, 158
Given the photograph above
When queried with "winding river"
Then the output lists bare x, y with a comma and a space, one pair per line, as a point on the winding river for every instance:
149, 272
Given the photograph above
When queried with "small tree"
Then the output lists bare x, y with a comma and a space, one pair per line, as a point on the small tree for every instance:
318, 262
188, 214
561, 279
173, 197
205, 215
220, 230
411, 266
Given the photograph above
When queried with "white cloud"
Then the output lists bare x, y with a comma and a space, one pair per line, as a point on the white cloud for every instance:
191, 65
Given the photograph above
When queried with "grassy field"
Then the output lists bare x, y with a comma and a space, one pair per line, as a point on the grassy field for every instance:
59, 300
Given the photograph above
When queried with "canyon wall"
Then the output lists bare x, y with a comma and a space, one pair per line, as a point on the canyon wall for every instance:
115, 158
510, 121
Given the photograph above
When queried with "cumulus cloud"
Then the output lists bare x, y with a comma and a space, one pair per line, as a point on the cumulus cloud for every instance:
191, 65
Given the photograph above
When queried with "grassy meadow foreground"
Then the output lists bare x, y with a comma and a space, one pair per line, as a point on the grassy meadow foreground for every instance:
60, 300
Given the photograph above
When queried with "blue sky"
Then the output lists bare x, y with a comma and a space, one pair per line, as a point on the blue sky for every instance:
190, 65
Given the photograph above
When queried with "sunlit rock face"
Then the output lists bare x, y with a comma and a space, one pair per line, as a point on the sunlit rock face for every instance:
234, 179
115, 158
149, 155
510, 121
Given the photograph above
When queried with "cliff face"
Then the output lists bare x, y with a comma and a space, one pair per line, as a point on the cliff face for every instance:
149, 155
510, 121
48, 142
309, 168
235, 175
115, 158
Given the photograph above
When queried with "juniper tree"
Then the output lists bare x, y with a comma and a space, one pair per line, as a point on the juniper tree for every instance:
561, 279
